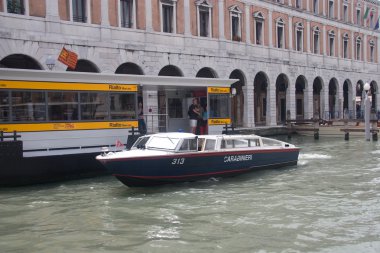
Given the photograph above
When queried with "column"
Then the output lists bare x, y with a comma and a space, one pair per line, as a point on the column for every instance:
221, 19
339, 54
290, 33
270, 28
26, 4
352, 45
308, 34
88, 7
324, 7
104, 9
187, 17
324, 38
247, 24
70, 10
4, 3
271, 105
51, 9
339, 3
352, 12
148, 15
307, 5
365, 20
365, 46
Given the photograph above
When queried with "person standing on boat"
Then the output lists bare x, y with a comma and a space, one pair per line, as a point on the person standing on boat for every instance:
194, 114
141, 120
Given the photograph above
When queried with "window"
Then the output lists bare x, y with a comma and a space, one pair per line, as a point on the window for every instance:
299, 37
168, 16
358, 17
345, 46
315, 6
175, 108
122, 106
331, 9
62, 105
210, 144
93, 106
127, 14
345, 12
204, 18
16, 6
372, 51
259, 24
331, 43
79, 11
358, 48
280, 33
235, 20
316, 33
4, 106
28, 106
219, 105
299, 4
371, 18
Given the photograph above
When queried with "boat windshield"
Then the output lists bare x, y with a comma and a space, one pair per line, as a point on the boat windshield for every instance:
271, 142
163, 142
140, 142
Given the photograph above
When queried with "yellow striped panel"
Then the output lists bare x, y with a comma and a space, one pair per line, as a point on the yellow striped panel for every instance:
34, 85
65, 126
219, 121
218, 90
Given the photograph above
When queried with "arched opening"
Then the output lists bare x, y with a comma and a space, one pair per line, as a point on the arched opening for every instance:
84, 66
170, 70
347, 97
359, 99
260, 86
333, 112
282, 84
129, 68
300, 97
373, 92
317, 88
20, 61
237, 102
206, 73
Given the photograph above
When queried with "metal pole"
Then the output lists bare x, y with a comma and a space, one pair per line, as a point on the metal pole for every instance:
366, 117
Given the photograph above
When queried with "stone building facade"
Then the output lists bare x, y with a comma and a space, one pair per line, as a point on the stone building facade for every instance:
295, 59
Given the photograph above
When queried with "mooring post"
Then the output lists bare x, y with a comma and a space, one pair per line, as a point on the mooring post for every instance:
1, 136
316, 129
346, 132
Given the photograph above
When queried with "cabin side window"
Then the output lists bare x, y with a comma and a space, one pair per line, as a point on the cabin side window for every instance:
94, 106
122, 106
188, 145
219, 106
62, 105
4, 106
28, 106
210, 144
36, 106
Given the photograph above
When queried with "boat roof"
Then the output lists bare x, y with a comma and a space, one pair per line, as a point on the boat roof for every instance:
190, 135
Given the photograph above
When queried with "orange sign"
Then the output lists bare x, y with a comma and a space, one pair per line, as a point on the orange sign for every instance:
68, 58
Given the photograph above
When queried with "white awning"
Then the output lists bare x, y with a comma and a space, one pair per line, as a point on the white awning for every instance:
143, 80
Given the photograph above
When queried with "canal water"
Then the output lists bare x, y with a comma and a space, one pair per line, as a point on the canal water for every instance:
329, 202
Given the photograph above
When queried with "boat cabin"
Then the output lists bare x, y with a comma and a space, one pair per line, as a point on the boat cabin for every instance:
186, 142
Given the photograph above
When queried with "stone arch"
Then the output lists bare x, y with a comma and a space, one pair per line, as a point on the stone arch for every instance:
20, 61
170, 70
237, 101
333, 112
282, 84
129, 68
84, 65
317, 98
260, 86
206, 72
301, 101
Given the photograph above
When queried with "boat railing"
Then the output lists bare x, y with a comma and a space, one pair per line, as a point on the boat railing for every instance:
6, 135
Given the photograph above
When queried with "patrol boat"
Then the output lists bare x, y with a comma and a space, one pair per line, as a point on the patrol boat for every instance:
165, 158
